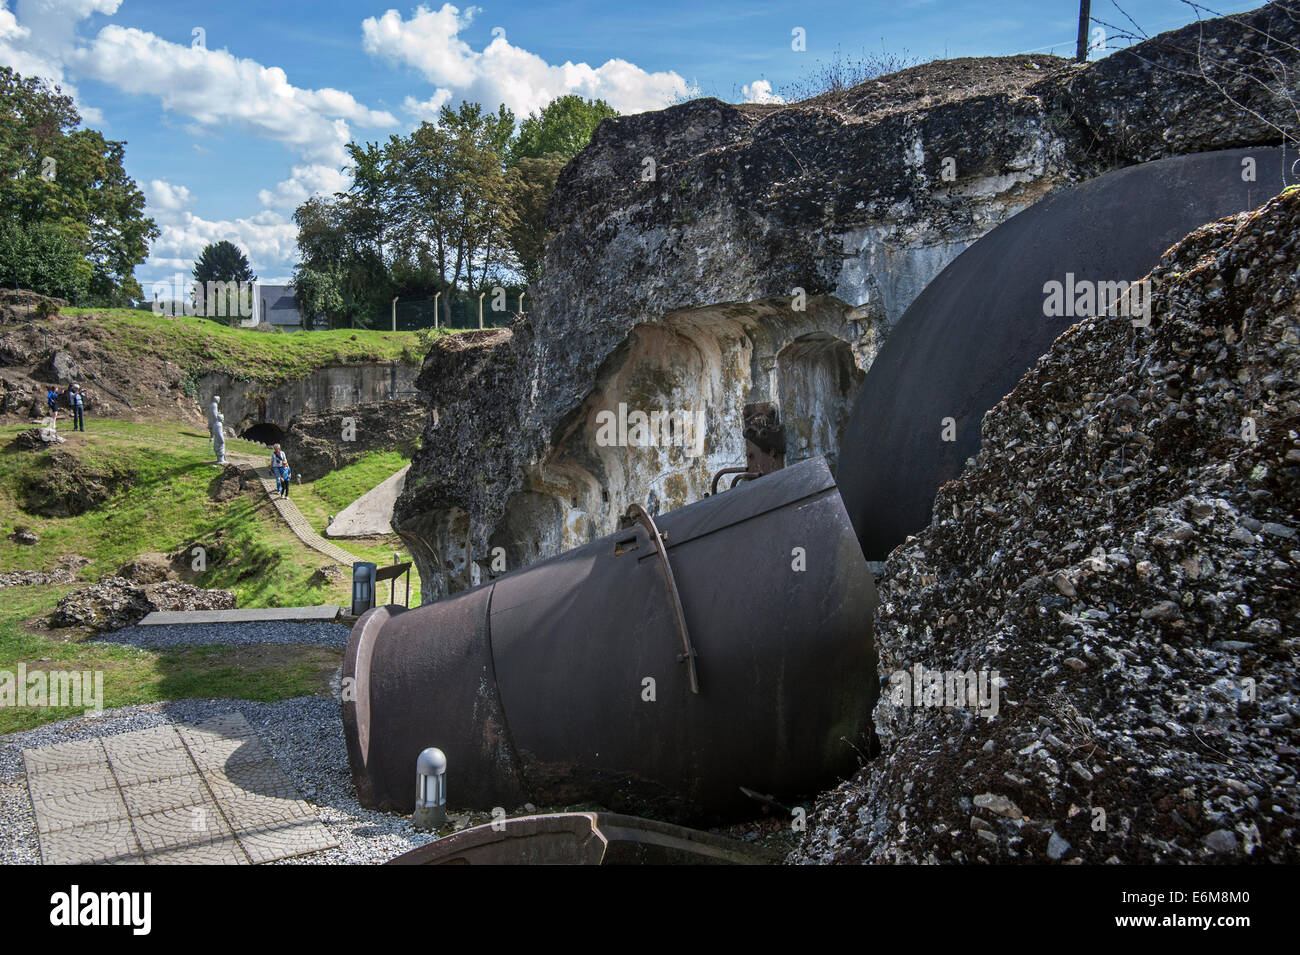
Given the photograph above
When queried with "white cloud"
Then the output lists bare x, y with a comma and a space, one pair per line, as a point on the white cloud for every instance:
501, 73
268, 238
213, 87
306, 180
760, 91
427, 112
34, 46
164, 197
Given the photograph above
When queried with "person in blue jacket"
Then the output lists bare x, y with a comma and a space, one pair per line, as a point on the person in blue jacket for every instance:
280, 467
52, 404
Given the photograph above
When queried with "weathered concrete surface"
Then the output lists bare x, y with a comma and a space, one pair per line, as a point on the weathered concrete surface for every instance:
248, 403
319, 442
372, 513
676, 293
980, 325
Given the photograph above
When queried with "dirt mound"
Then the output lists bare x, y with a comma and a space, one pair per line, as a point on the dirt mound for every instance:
150, 568
1121, 562
115, 602
67, 486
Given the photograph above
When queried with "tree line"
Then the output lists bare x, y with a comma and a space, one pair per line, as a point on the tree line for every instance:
457, 205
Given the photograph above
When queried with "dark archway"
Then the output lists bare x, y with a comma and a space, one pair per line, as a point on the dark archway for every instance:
264, 432
978, 327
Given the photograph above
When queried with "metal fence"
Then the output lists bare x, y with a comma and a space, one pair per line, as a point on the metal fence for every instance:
455, 311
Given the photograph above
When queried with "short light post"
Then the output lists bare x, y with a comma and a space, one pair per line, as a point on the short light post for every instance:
435, 309
430, 789
480, 308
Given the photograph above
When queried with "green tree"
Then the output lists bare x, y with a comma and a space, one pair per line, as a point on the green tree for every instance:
41, 258
218, 265
318, 295
531, 183
53, 172
562, 128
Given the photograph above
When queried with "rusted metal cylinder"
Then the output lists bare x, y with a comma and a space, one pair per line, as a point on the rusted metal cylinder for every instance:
567, 682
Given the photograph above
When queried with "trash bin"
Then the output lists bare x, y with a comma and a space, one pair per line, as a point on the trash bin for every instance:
363, 586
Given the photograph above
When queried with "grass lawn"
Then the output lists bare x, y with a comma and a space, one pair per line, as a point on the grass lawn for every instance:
318, 499
201, 345
163, 504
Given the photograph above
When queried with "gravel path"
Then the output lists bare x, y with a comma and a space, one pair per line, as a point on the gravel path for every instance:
231, 634
306, 737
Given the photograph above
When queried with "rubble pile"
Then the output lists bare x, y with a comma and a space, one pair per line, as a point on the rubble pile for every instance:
1123, 552
115, 602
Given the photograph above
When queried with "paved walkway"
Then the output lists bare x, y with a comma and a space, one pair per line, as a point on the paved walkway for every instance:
206, 793
292, 516
159, 618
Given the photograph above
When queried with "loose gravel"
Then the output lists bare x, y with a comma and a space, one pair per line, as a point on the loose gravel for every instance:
305, 735
231, 634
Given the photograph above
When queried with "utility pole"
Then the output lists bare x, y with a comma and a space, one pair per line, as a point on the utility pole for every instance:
1085, 11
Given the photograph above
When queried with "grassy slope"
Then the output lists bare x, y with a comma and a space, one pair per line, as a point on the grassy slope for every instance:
202, 345
317, 500
166, 506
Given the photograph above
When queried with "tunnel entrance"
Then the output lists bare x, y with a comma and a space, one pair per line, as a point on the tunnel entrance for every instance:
817, 380
264, 432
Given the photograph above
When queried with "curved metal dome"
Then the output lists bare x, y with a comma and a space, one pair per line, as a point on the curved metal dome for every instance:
980, 325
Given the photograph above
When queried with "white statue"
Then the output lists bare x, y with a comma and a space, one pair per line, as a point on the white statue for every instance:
216, 422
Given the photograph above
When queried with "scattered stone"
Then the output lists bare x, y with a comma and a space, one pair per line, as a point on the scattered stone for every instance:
115, 602
1221, 841
998, 804
1057, 847
24, 535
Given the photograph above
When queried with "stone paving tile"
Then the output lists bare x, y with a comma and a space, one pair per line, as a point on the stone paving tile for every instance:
220, 852
80, 779
211, 753
177, 792
159, 738
69, 810
229, 726
112, 841
147, 765
88, 752
175, 828
203, 794
286, 840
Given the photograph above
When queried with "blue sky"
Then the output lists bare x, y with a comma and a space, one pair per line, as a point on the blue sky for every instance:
228, 130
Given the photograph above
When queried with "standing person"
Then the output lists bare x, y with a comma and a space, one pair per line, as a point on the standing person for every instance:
280, 468
77, 399
52, 405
